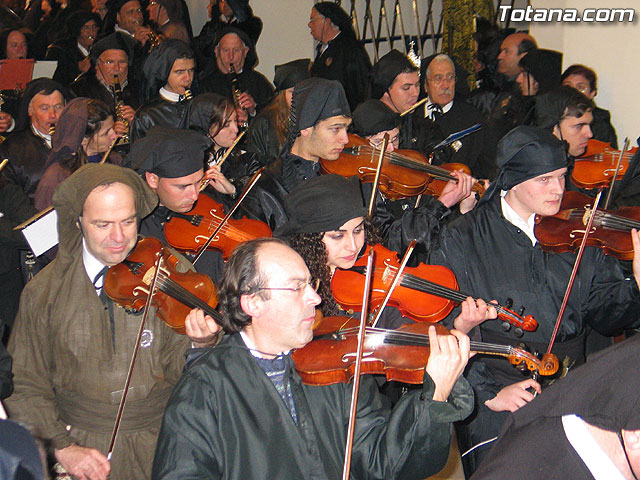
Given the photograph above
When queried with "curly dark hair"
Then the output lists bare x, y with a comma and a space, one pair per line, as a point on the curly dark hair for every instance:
314, 254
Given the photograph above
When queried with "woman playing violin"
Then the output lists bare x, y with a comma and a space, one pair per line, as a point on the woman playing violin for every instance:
328, 228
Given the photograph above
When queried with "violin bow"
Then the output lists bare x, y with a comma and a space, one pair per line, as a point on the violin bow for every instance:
615, 175
123, 400
376, 180
223, 222
358, 363
205, 182
574, 272
414, 106
396, 281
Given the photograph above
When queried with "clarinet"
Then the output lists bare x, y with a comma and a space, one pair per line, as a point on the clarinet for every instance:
117, 96
235, 89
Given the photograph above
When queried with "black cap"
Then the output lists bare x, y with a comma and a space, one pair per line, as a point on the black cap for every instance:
550, 106
115, 41
545, 66
291, 73
322, 204
372, 117
169, 152
317, 99
337, 15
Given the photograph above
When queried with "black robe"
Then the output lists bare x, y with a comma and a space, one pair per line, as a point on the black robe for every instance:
493, 259
601, 127
27, 154
477, 151
89, 86
225, 419
250, 81
67, 54
262, 139
346, 61
158, 111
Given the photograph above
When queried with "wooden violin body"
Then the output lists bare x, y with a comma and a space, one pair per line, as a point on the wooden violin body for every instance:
564, 231
400, 354
597, 166
189, 231
128, 284
424, 293
405, 173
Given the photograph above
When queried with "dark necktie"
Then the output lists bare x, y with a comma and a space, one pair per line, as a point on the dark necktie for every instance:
436, 111
98, 281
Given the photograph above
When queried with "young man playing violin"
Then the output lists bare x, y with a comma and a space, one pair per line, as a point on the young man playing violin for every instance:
171, 162
72, 346
494, 254
253, 402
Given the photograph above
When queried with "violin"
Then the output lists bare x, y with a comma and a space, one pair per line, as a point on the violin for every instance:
597, 166
399, 354
563, 231
426, 293
405, 173
177, 293
188, 231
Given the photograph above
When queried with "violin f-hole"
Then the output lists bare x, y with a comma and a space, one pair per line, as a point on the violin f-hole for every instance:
347, 356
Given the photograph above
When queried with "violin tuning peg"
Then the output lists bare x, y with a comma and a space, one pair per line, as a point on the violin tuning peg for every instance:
518, 332
521, 311
508, 303
506, 326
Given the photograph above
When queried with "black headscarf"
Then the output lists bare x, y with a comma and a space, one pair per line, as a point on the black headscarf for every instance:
373, 116
159, 63
76, 21
316, 99
322, 204
551, 106
169, 152
34, 87
115, 41
545, 66
337, 15
603, 392
200, 111
385, 71
291, 73
524, 153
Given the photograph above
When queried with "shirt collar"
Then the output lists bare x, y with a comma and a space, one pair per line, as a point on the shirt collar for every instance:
45, 136
252, 347
170, 96
118, 28
428, 112
92, 265
591, 453
84, 51
511, 215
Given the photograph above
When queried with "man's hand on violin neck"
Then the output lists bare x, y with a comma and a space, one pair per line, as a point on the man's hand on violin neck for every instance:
473, 313
448, 357
201, 329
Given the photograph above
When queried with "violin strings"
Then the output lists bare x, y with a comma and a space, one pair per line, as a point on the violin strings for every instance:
426, 286
408, 162
177, 291
226, 229
612, 221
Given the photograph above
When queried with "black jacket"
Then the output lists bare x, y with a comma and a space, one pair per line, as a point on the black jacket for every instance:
346, 61
158, 111
27, 154
225, 406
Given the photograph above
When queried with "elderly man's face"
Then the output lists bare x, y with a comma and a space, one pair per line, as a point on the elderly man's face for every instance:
112, 62
44, 110
229, 51
509, 57
441, 82
16, 45
109, 224
130, 16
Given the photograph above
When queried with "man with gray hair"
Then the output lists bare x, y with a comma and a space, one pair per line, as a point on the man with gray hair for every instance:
452, 116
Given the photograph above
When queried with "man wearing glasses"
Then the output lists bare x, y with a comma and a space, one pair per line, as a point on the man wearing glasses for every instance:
246, 396
110, 59
452, 116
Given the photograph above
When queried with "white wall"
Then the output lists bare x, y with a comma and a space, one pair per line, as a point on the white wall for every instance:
609, 48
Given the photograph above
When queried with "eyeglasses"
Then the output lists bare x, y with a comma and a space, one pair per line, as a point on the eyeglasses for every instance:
438, 79
111, 63
377, 142
299, 288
